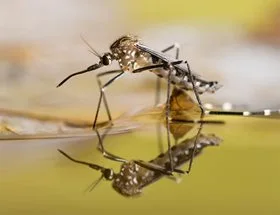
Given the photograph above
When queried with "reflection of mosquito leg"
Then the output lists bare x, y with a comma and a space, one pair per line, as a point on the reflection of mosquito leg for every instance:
158, 86
158, 83
102, 95
104, 152
159, 137
157, 168
195, 143
100, 88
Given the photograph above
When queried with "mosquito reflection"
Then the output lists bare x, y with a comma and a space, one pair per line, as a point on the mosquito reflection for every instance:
135, 175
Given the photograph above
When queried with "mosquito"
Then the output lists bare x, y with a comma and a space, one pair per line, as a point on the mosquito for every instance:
135, 175
135, 57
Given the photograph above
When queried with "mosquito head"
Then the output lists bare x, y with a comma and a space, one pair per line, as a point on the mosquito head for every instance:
127, 182
106, 59
108, 174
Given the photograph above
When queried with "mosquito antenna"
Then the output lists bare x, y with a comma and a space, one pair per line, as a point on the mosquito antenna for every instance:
90, 68
94, 184
91, 165
93, 51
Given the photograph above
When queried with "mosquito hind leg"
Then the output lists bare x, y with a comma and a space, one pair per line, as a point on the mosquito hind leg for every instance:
177, 49
157, 96
195, 90
102, 94
167, 116
201, 116
158, 83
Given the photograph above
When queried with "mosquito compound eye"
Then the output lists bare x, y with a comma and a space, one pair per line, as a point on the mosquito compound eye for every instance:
106, 59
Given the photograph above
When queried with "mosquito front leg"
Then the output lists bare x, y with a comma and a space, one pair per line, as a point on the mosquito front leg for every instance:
102, 89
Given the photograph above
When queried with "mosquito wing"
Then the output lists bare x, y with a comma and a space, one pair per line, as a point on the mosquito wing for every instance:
164, 58
155, 54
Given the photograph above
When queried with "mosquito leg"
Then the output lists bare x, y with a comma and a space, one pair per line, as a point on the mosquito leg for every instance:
100, 88
157, 96
107, 154
167, 114
195, 143
201, 116
168, 98
156, 66
159, 137
176, 46
157, 168
102, 94
158, 83
195, 90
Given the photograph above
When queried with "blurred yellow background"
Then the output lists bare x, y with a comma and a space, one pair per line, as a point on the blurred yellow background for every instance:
235, 42
249, 12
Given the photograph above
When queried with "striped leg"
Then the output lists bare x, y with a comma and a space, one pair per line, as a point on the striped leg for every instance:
158, 84
167, 116
157, 96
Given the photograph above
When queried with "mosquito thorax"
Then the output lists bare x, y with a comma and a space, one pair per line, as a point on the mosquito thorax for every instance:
128, 55
127, 181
